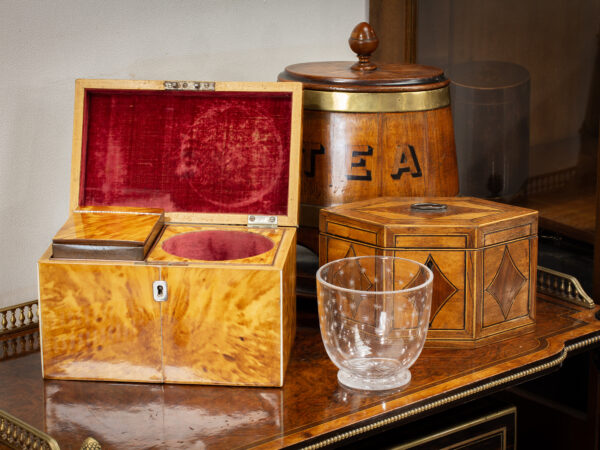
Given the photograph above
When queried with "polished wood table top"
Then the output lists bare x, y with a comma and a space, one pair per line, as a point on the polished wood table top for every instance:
311, 409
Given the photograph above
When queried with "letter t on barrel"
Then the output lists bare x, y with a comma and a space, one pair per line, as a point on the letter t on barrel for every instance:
311, 150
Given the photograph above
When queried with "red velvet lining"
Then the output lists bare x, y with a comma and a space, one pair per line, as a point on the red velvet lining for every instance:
213, 152
217, 245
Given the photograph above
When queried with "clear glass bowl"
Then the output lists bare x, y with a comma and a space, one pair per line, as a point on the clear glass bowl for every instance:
374, 316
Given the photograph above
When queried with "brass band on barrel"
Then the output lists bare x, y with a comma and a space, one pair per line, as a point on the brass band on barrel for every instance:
376, 101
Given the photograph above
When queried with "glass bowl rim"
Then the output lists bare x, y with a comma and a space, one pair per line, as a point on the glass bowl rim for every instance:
414, 288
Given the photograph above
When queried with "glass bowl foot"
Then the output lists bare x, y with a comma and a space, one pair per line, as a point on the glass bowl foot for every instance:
398, 380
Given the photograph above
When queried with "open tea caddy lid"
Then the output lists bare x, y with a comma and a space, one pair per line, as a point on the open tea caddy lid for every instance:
204, 152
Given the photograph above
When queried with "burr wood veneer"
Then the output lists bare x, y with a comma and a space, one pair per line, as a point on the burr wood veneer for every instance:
108, 233
204, 297
224, 322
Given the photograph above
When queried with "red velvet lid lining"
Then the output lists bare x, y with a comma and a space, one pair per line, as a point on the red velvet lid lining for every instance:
201, 152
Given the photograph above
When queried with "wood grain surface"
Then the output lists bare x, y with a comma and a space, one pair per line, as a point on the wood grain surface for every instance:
105, 225
355, 156
310, 407
223, 326
338, 76
483, 255
223, 322
570, 212
363, 75
596, 238
99, 322
115, 233
419, 154
396, 26
350, 157
465, 223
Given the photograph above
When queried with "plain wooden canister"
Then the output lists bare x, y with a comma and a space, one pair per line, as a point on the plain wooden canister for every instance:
371, 131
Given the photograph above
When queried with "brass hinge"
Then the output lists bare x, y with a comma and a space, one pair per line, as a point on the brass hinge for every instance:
262, 221
189, 85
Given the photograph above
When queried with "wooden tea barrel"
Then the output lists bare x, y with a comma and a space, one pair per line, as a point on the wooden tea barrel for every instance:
371, 131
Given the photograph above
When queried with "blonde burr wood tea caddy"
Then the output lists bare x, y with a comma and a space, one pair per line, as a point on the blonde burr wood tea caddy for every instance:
483, 255
177, 263
371, 130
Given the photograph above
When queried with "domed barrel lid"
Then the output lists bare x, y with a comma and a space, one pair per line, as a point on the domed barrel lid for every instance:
364, 75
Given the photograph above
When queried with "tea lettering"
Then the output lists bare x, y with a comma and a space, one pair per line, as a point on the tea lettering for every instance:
361, 163
311, 150
413, 168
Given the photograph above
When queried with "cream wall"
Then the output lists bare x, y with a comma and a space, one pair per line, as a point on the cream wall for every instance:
46, 45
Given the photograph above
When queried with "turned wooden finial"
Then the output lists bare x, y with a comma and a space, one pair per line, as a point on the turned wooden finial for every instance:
363, 42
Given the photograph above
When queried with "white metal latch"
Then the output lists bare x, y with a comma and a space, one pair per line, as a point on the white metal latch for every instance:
159, 288
262, 221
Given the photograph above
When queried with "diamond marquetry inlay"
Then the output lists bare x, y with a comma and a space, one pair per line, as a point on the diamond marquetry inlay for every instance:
506, 283
455, 211
351, 253
443, 288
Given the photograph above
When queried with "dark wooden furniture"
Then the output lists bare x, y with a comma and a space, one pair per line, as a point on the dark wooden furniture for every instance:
396, 23
596, 276
311, 410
